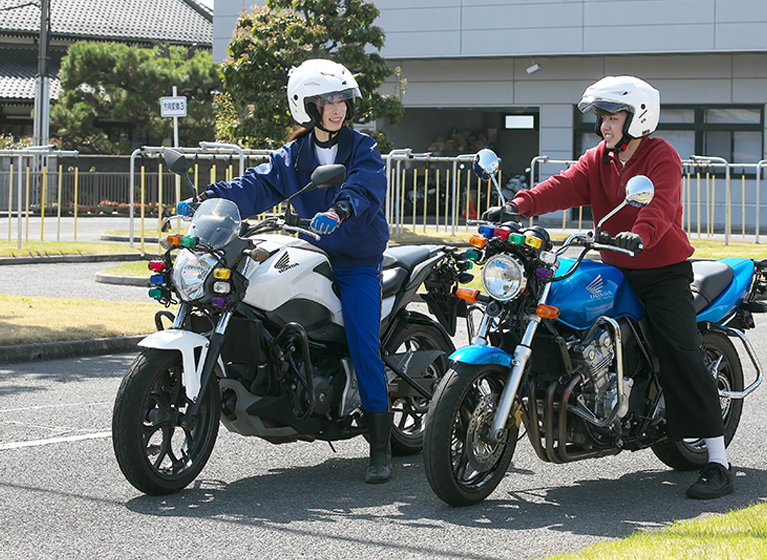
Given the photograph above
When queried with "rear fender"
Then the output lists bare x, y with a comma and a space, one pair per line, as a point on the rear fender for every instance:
480, 355
187, 343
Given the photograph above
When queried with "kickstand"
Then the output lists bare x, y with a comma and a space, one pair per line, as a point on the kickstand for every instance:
330, 443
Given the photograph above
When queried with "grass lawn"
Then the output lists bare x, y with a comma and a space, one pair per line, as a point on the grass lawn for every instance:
27, 320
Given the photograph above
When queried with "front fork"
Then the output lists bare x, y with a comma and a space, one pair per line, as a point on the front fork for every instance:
522, 354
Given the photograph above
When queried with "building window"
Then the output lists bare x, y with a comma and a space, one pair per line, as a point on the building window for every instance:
732, 132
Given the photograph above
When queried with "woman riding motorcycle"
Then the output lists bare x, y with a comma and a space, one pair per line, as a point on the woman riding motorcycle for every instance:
349, 217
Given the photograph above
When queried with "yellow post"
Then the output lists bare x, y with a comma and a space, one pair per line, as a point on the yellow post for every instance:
58, 206
159, 208
425, 195
42, 206
10, 201
77, 176
26, 231
447, 197
698, 203
143, 200
402, 199
708, 204
689, 200
196, 172
436, 203
743, 205
468, 197
415, 194
713, 203
580, 217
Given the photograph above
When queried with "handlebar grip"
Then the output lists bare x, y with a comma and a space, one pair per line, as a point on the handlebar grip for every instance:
304, 222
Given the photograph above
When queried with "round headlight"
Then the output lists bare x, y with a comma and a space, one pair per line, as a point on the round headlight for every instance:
189, 273
503, 277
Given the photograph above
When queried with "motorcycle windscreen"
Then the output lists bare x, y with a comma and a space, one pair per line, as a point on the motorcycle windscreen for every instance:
216, 222
594, 290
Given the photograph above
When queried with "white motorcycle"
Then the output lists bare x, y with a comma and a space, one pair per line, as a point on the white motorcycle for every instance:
258, 342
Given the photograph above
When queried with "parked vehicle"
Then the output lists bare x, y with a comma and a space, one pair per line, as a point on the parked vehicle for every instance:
563, 349
258, 342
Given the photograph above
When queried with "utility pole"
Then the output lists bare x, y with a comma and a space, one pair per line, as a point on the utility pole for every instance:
42, 81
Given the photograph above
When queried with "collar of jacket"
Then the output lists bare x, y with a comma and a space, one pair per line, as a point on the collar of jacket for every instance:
306, 161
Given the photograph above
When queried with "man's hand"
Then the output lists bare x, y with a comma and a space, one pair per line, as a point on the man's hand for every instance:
629, 240
325, 222
498, 214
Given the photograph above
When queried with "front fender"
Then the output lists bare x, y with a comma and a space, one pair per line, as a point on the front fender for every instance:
185, 342
479, 355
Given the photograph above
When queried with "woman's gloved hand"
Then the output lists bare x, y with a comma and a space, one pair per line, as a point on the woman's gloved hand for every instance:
186, 207
325, 222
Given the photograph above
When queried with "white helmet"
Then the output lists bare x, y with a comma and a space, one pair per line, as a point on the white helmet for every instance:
318, 79
625, 93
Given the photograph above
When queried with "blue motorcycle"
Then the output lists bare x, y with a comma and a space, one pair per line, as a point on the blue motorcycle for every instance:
562, 348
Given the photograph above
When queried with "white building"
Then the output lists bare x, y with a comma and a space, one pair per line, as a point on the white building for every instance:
471, 63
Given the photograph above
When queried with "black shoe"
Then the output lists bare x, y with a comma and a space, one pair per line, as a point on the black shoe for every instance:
714, 482
379, 431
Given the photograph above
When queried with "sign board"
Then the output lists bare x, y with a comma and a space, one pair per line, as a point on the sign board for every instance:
173, 106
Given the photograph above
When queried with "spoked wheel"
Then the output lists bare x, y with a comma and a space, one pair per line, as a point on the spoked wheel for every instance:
409, 412
723, 363
463, 465
156, 453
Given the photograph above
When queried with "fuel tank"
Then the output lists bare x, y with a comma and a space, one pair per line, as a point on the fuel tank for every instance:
594, 290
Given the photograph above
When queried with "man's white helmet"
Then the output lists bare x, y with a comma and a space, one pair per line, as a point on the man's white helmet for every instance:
625, 93
315, 80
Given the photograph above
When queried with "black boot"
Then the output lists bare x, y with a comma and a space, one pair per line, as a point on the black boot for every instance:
379, 431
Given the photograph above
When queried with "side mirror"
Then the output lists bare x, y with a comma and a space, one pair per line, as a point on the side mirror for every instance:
329, 175
176, 162
639, 191
486, 164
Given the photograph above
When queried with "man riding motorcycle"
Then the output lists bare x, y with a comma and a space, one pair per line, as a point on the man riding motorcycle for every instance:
628, 111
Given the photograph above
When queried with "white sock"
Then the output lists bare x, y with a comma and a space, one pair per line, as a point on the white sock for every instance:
716, 451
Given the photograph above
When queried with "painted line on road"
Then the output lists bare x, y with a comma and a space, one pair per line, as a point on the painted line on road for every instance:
52, 406
50, 441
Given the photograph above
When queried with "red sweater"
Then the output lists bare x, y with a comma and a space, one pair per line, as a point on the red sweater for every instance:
601, 185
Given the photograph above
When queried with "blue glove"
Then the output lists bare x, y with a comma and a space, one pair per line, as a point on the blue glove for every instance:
325, 222
185, 207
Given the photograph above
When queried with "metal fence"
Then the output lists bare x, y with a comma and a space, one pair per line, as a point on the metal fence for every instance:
425, 192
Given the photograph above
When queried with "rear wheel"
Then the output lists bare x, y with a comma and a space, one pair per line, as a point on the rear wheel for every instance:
463, 465
156, 453
723, 362
409, 412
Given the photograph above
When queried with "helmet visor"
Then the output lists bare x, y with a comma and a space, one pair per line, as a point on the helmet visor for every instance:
332, 97
589, 103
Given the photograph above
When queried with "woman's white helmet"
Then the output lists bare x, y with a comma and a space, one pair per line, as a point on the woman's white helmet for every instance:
319, 79
625, 93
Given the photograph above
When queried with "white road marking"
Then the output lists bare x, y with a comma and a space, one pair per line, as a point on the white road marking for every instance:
50, 441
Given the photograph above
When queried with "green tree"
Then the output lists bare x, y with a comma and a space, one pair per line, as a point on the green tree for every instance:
110, 96
270, 40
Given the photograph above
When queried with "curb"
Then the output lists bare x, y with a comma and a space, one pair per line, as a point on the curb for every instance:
75, 258
68, 349
140, 281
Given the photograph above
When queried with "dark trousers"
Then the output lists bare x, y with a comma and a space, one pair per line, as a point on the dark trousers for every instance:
691, 395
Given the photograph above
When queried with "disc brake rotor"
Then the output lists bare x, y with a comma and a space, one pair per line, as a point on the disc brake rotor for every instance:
480, 451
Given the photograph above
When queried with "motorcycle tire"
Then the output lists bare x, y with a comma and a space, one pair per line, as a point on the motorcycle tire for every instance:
691, 454
462, 466
409, 412
155, 453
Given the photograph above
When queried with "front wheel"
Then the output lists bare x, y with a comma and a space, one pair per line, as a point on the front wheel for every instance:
724, 364
463, 465
156, 453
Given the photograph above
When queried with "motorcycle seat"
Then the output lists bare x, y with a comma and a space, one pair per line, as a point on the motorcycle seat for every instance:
406, 256
710, 280
393, 278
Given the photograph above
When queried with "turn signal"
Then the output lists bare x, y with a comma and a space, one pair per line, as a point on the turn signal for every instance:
222, 273
156, 266
477, 241
547, 311
467, 294
174, 240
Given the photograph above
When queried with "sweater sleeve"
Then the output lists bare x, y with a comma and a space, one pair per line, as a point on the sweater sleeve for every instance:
568, 189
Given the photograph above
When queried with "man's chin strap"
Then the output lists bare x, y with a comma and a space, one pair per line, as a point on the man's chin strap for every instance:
621, 147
